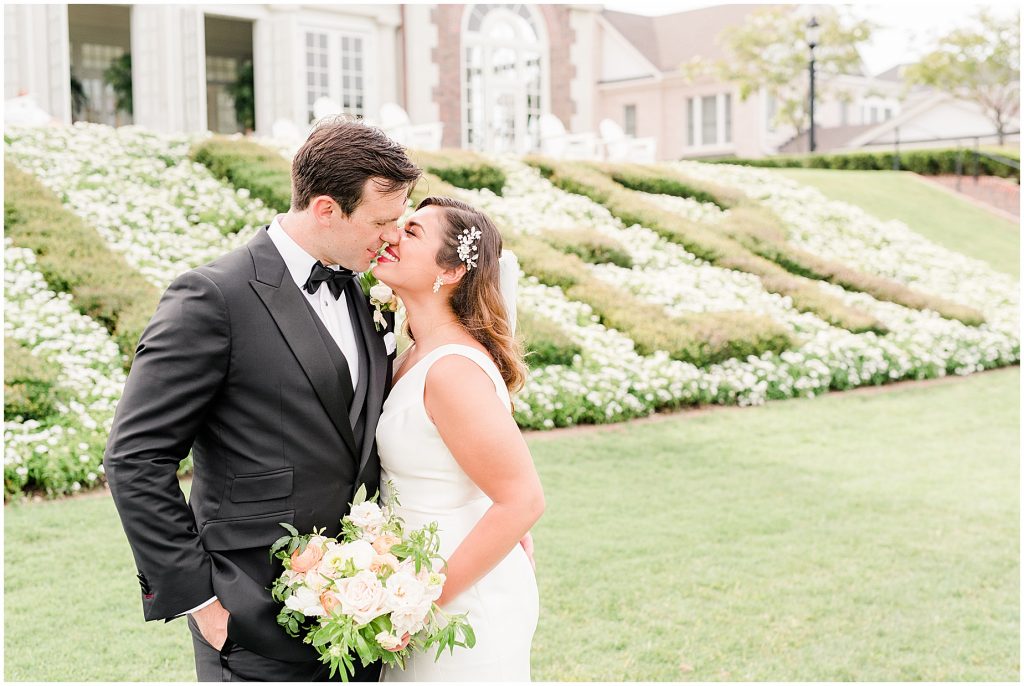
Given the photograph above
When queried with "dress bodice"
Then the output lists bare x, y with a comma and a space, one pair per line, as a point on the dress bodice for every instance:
413, 456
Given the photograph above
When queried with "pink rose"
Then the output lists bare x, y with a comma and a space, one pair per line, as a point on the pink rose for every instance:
383, 543
329, 601
307, 559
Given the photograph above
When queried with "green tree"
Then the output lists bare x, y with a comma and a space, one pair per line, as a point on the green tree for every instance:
769, 50
980, 63
119, 75
243, 91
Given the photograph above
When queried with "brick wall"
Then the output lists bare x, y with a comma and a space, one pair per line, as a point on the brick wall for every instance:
448, 57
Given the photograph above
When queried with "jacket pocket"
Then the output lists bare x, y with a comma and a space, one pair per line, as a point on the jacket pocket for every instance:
247, 488
237, 533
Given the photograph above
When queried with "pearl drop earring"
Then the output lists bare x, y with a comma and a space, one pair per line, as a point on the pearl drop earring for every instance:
438, 283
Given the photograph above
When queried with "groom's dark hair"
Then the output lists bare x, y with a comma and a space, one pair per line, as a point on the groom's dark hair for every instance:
340, 155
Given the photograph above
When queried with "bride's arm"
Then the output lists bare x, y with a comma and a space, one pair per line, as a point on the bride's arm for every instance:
486, 442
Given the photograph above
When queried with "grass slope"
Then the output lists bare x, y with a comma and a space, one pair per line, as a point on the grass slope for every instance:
932, 212
859, 536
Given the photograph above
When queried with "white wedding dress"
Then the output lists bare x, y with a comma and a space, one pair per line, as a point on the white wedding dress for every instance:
504, 605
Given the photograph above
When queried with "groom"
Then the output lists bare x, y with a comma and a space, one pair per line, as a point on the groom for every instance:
267, 365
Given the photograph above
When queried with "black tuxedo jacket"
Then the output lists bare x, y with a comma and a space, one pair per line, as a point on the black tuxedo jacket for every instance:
235, 366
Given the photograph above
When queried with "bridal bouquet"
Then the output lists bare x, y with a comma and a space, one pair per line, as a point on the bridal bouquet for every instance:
368, 593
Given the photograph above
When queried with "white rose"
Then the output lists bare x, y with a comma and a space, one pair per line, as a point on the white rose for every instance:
411, 619
367, 515
381, 292
360, 552
404, 590
361, 596
306, 601
388, 641
315, 580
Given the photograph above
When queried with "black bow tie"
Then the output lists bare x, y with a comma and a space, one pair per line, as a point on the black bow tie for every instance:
334, 278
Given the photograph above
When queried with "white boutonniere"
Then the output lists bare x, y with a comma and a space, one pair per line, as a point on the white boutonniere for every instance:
382, 298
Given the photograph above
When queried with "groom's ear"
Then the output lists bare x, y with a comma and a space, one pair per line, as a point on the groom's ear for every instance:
323, 208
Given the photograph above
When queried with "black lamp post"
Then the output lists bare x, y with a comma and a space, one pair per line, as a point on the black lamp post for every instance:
812, 41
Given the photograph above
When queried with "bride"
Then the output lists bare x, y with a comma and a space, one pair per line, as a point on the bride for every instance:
448, 442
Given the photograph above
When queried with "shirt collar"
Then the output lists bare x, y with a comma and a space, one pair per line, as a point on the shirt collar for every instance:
298, 261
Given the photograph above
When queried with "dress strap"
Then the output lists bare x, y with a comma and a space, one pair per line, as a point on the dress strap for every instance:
482, 359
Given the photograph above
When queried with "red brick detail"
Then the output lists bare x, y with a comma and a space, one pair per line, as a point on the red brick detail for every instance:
448, 58
561, 68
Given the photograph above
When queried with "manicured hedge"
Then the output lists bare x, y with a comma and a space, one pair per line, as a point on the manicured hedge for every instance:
74, 258
29, 384
244, 164
546, 342
761, 232
589, 246
665, 181
701, 339
927, 162
460, 168
705, 242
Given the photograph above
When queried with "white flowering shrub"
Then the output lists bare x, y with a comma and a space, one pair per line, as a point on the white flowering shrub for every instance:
167, 214
141, 192
62, 453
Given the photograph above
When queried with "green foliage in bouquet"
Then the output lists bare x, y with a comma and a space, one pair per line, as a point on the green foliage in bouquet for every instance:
340, 637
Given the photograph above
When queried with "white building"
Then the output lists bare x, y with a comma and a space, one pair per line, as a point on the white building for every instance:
484, 73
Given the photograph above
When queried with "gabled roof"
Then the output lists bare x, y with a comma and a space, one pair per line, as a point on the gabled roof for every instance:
669, 40
825, 139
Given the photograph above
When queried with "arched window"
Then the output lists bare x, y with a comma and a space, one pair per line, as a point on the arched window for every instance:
505, 56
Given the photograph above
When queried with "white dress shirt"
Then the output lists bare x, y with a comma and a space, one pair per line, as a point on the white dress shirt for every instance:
333, 313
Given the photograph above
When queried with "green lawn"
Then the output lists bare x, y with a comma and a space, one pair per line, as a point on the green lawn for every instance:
851, 537
930, 211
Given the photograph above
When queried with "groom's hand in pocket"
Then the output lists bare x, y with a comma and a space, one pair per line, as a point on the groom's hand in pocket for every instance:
212, 621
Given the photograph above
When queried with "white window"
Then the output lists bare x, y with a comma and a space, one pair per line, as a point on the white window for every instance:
629, 120
101, 102
504, 58
709, 120
844, 113
335, 70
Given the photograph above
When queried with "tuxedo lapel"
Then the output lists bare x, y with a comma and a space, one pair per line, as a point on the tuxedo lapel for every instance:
377, 356
287, 306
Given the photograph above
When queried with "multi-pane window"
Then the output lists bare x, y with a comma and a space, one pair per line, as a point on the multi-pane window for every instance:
221, 74
317, 71
629, 120
709, 120
352, 74
503, 71
335, 69
101, 103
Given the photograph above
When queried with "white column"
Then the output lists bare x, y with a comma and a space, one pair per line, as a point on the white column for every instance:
36, 56
168, 67
279, 69
422, 74
584, 54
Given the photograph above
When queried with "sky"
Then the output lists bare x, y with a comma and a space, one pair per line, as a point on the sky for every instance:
904, 28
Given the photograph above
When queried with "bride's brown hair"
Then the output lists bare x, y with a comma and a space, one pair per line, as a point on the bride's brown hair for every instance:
476, 299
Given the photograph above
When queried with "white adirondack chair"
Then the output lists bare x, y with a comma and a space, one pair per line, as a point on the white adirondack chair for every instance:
395, 122
618, 147
24, 111
556, 142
